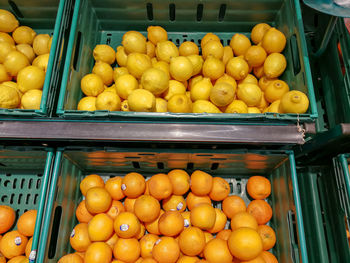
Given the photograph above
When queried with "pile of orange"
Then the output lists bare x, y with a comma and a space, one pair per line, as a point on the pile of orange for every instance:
171, 218
15, 245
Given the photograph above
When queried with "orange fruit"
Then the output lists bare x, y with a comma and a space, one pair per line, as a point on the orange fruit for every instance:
202, 261
113, 186
13, 244
258, 259
180, 181
192, 200
201, 183
187, 218
268, 236
245, 243
126, 225
258, 187
133, 185
147, 260
171, 223
216, 251
220, 189
26, 223
160, 186
90, 181
146, 244
220, 221
7, 218
112, 240
80, 254
146, 189
100, 227
79, 238
141, 233
98, 252
98, 200
268, 257
153, 227
208, 236
127, 250
18, 259
129, 204
232, 205
166, 250
28, 247
115, 209
203, 216
71, 258
82, 214
261, 210
192, 241
187, 259
224, 234
243, 219
174, 203
146, 208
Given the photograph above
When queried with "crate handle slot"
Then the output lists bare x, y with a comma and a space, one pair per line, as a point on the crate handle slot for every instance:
199, 12
15, 9
222, 12
77, 52
149, 8
295, 54
292, 236
54, 232
172, 12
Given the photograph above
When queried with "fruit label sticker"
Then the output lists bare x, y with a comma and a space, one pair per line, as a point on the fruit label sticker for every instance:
123, 187
179, 206
18, 241
32, 255
157, 242
124, 227
186, 223
73, 233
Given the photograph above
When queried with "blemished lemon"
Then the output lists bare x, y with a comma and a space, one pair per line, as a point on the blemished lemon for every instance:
31, 99
259, 71
201, 90
181, 68
175, 87
125, 105
239, 44
263, 104
294, 101
41, 61
197, 63
24, 35
249, 79
119, 71
161, 105
208, 37
4, 76
228, 54
193, 81
237, 106
14, 62
5, 37
156, 34
213, 48
165, 50
249, 93
142, 100
264, 82
8, 21
26, 50
105, 71
92, 85
253, 110
258, 32
255, 56
274, 65
273, 41
137, 64
134, 42
150, 49
222, 94
204, 106
188, 48
5, 49
41, 44
121, 56
87, 104
108, 101
179, 103
155, 81
125, 84
275, 90
162, 66
29, 78
228, 79
104, 53
237, 68
9, 98
213, 68
274, 107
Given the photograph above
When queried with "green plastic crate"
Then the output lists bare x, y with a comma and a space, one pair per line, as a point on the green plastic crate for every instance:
235, 166
24, 180
45, 17
104, 22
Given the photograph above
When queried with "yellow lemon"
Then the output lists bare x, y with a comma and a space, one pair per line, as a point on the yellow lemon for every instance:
208, 37
228, 54
249, 93
275, 90
142, 100
249, 79
239, 44
201, 90
150, 49
119, 71
156, 34
26, 50
237, 68
5, 49
125, 105
14, 62
40, 44
294, 101
204, 106
154, 60
274, 107
8, 21
175, 87
125, 84
181, 68
92, 85
255, 56
24, 35
9, 98
155, 81
258, 32
161, 105
4, 76
4, 37
105, 71
165, 50
259, 71
111, 89
253, 110
188, 94
222, 94
264, 82
274, 65
213, 48
213, 68
237, 106
108, 101
263, 104
193, 81
50, 43
137, 64
273, 41
228, 79
134, 42
121, 56
41, 61
162, 66
197, 63
87, 104
179, 103
30, 77
31, 99
104, 53
188, 48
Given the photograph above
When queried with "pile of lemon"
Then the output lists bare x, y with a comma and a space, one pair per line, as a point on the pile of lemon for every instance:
24, 56
153, 75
